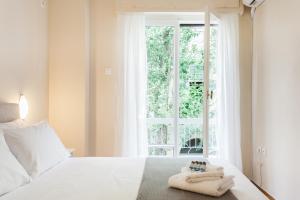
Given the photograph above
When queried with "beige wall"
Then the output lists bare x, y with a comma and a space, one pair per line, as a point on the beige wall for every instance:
69, 71
23, 55
175, 5
246, 90
104, 23
276, 97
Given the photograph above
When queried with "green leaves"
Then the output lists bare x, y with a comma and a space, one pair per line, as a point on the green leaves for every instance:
161, 82
160, 47
191, 65
161, 72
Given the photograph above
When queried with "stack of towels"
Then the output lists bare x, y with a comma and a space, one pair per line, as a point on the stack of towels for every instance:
211, 182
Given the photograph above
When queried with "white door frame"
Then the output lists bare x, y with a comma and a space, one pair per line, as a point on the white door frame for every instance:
175, 21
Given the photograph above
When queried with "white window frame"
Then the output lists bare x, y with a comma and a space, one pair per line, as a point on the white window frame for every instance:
175, 20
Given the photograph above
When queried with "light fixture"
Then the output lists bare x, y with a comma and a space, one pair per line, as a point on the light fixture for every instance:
23, 107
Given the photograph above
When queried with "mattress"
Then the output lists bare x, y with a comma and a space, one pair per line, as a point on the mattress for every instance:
107, 179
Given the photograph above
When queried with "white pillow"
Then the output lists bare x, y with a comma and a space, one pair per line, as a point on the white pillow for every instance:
36, 147
12, 174
14, 124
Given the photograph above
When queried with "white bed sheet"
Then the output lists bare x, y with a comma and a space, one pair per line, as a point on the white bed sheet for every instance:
106, 179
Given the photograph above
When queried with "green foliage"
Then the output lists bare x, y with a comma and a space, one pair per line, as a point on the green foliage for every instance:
161, 94
161, 79
191, 65
160, 71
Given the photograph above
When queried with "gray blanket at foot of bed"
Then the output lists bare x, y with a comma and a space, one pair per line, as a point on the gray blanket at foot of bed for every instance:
154, 185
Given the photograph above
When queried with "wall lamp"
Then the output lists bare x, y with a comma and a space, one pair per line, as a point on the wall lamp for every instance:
23, 107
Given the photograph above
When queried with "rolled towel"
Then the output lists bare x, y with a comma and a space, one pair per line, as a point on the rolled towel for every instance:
212, 188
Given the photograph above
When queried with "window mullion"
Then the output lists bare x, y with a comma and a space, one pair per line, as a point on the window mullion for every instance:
176, 97
206, 84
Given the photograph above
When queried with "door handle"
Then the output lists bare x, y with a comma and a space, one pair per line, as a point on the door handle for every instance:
210, 94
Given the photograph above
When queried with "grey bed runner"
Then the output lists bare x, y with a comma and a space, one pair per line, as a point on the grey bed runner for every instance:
154, 184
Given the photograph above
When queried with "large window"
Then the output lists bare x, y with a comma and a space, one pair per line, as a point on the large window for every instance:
181, 84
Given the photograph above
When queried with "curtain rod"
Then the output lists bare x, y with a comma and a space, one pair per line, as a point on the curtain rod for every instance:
133, 8
220, 10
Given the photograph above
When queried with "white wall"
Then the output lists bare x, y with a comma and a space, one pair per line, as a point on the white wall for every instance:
23, 55
276, 78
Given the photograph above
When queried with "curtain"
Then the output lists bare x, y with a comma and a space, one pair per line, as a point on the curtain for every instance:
228, 90
132, 139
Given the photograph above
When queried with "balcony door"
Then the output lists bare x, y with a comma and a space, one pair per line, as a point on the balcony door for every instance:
181, 85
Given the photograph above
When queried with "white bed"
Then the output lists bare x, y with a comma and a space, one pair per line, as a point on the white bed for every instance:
106, 179
101, 178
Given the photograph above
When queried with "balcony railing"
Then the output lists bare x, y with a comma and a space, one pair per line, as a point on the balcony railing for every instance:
190, 137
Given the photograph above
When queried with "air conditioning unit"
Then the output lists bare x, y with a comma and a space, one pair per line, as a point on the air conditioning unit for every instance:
253, 4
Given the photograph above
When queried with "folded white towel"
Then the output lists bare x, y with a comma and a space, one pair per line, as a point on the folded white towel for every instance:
212, 173
202, 179
213, 188
195, 177
214, 168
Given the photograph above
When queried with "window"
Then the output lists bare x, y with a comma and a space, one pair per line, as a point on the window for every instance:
181, 117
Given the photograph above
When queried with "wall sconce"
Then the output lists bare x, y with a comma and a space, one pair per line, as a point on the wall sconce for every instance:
23, 107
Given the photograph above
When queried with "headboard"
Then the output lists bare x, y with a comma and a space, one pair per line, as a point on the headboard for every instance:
9, 112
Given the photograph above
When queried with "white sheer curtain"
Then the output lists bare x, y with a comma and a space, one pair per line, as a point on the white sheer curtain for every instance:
132, 140
228, 86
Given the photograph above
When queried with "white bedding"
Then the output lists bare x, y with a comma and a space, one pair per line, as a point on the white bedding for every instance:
106, 179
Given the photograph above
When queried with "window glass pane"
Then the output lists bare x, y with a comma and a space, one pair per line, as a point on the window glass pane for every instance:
160, 51
191, 142
160, 132
191, 85
161, 151
161, 91
212, 140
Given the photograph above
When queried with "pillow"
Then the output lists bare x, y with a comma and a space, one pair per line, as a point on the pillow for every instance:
36, 147
12, 174
14, 124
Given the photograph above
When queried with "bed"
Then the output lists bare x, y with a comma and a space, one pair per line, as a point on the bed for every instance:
107, 179
102, 178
